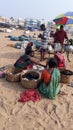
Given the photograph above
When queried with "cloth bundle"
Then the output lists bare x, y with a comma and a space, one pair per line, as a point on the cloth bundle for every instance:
28, 95
60, 59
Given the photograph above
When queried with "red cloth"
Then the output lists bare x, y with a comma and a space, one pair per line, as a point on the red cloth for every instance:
29, 66
45, 76
59, 56
60, 59
28, 95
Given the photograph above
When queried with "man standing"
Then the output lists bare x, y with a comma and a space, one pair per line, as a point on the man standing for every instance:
60, 36
44, 42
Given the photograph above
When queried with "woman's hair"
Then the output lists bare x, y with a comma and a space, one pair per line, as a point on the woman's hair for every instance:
31, 43
52, 63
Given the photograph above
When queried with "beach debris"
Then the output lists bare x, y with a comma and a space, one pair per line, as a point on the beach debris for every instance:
2, 74
5, 67
70, 84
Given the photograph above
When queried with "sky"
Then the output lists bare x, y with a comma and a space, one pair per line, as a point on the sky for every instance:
42, 9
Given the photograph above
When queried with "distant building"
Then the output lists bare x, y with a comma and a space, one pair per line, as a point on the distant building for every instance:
3, 19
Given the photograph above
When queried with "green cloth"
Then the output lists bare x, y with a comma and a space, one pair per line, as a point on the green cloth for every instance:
53, 88
23, 61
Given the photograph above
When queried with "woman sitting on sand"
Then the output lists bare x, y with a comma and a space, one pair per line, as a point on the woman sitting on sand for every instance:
29, 50
26, 61
50, 80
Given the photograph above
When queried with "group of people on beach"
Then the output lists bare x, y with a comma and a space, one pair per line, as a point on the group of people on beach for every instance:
50, 76
59, 36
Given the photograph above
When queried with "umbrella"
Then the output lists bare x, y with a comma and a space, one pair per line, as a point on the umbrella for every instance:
62, 20
69, 14
65, 19
55, 26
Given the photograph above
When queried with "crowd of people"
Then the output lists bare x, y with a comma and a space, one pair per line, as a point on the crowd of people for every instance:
59, 36
50, 76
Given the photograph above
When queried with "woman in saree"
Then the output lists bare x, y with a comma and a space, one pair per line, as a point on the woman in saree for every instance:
50, 80
26, 62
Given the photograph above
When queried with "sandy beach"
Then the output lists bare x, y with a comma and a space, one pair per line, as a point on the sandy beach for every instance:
44, 114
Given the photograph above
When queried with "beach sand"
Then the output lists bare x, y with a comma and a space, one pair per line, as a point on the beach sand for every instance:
44, 114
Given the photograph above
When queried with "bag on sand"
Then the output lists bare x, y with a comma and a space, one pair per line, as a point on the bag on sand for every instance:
60, 59
57, 47
50, 48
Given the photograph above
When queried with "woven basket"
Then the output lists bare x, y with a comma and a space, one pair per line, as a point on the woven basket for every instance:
27, 84
66, 78
13, 74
